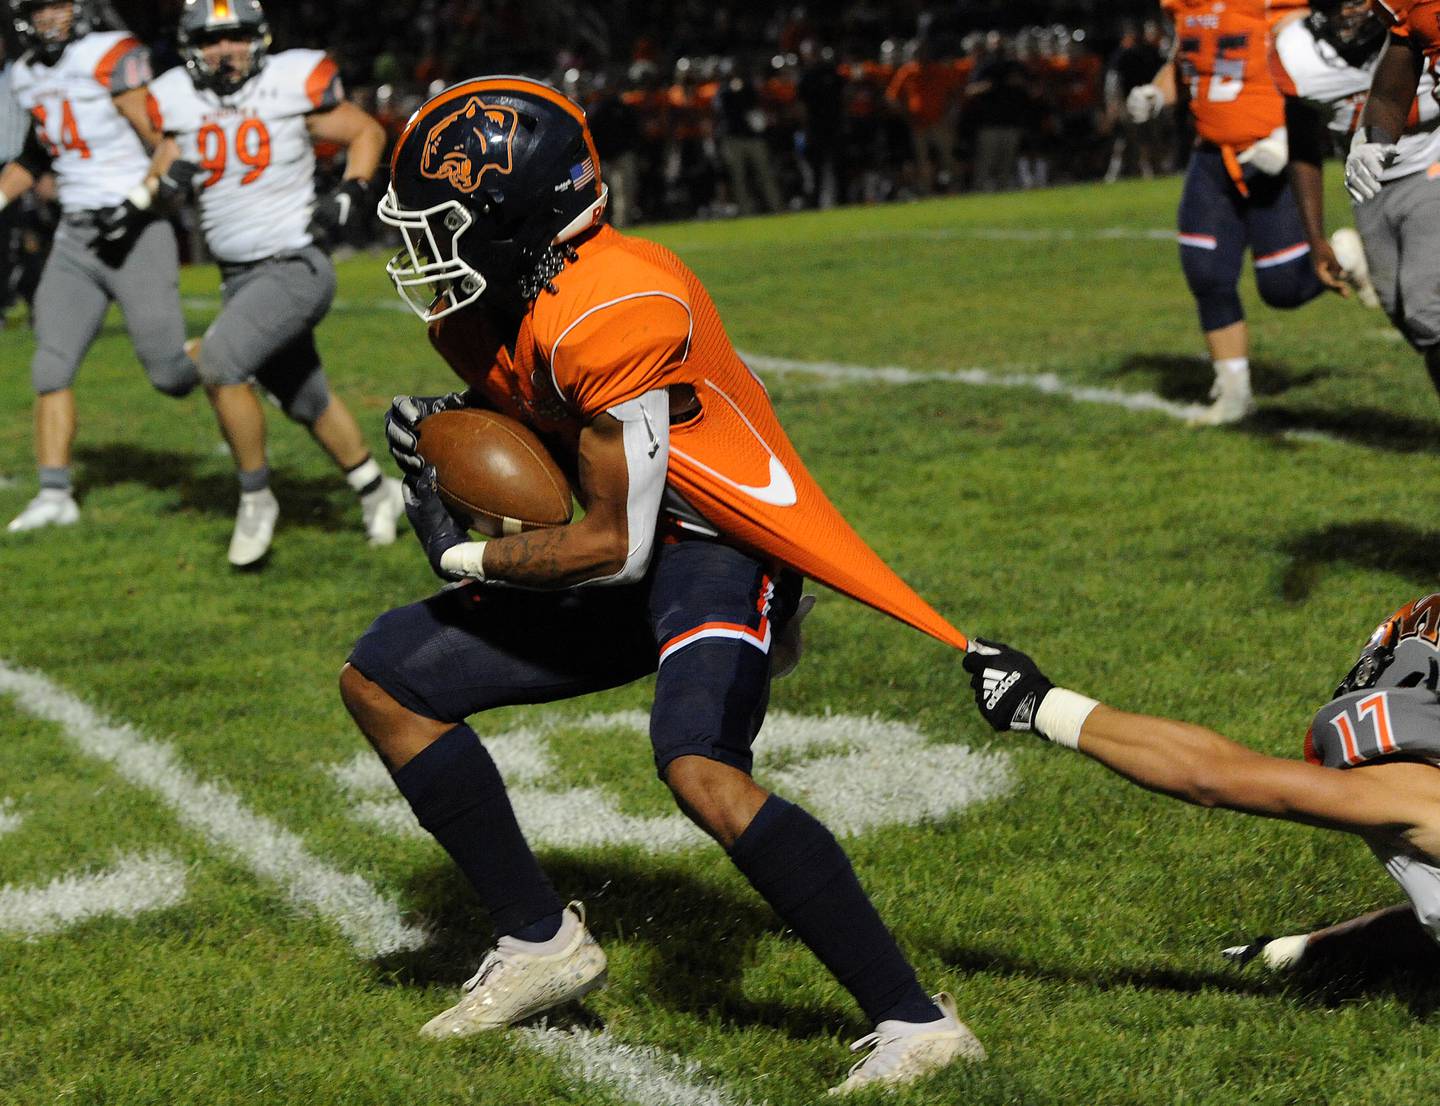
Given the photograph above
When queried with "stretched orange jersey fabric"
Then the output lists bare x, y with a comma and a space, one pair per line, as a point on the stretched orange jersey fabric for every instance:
629, 317
1222, 57
1418, 20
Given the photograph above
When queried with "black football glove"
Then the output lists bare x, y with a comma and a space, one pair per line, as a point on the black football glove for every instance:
1008, 686
117, 223
177, 183
437, 529
402, 426
339, 213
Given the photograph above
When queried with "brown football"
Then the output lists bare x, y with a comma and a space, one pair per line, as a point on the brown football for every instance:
493, 469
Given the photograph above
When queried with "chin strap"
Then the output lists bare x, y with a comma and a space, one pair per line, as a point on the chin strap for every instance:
552, 261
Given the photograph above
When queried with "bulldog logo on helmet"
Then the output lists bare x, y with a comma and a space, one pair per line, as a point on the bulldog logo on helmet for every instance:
446, 155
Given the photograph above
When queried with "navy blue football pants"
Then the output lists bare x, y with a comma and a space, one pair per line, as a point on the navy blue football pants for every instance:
704, 615
1217, 223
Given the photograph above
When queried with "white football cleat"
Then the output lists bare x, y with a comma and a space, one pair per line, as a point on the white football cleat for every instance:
381, 510
254, 527
1350, 252
513, 984
902, 1052
51, 507
1232, 403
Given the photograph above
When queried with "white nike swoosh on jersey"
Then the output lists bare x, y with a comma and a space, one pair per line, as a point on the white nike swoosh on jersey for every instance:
779, 491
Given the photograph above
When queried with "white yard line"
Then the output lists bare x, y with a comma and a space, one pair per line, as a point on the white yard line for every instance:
133, 886
9, 820
642, 1076
371, 922
1044, 382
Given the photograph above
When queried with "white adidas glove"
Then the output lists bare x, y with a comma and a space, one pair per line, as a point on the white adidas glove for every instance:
1270, 154
1280, 954
1144, 103
1366, 162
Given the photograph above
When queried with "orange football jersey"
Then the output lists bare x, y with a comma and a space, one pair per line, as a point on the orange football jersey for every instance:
1415, 19
629, 317
1222, 49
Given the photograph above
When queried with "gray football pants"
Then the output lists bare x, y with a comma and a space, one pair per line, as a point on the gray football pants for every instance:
266, 330
1401, 231
81, 278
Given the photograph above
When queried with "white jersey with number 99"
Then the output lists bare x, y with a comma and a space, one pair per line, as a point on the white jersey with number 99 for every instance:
256, 184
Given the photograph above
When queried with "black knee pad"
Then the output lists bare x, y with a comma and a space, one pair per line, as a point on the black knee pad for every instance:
1290, 285
1213, 284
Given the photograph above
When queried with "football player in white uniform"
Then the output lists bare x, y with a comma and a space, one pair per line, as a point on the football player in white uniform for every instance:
239, 126
1322, 61
1371, 768
1394, 187
85, 89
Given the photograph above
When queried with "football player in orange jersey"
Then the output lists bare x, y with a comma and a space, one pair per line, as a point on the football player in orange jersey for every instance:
700, 520
1236, 192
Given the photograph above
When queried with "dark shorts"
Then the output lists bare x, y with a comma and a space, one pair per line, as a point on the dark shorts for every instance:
1217, 224
704, 617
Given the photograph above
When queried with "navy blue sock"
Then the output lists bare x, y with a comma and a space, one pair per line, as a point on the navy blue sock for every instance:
800, 869
457, 794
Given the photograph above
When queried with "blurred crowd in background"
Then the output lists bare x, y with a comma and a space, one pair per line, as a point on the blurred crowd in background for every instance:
705, 110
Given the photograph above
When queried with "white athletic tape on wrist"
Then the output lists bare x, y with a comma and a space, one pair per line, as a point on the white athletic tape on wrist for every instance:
140, 197
1061, 714
3, 201
465, 559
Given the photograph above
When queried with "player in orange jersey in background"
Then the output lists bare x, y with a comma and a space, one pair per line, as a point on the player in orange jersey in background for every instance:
1236, 192
700, 520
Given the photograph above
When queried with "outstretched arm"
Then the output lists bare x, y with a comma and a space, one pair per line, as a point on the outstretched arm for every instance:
1188, 762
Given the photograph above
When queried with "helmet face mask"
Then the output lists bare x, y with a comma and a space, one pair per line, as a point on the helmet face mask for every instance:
1410, 635
206, 23
428, 271
1350, 27
488, 182
45, 37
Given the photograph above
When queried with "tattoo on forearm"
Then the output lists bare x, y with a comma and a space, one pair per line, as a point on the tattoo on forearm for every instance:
539, 559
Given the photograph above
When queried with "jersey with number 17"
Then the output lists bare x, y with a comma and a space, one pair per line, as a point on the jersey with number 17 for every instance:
256, 184
98, 157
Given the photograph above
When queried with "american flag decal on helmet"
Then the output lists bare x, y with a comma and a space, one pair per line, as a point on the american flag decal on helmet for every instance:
582, 174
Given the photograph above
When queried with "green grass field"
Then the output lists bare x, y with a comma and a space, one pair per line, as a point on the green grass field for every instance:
1226, 577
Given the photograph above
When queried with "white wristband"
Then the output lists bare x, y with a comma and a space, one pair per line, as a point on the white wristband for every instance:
139, 197
466, 559
3, 201
1061, 715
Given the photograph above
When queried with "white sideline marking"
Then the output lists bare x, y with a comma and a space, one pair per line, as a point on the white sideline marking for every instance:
9, 820
135, 885
855, 773
642, 1076
371, 922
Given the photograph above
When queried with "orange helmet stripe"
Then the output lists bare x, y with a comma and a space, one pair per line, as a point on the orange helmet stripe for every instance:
534, 88
220, 9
